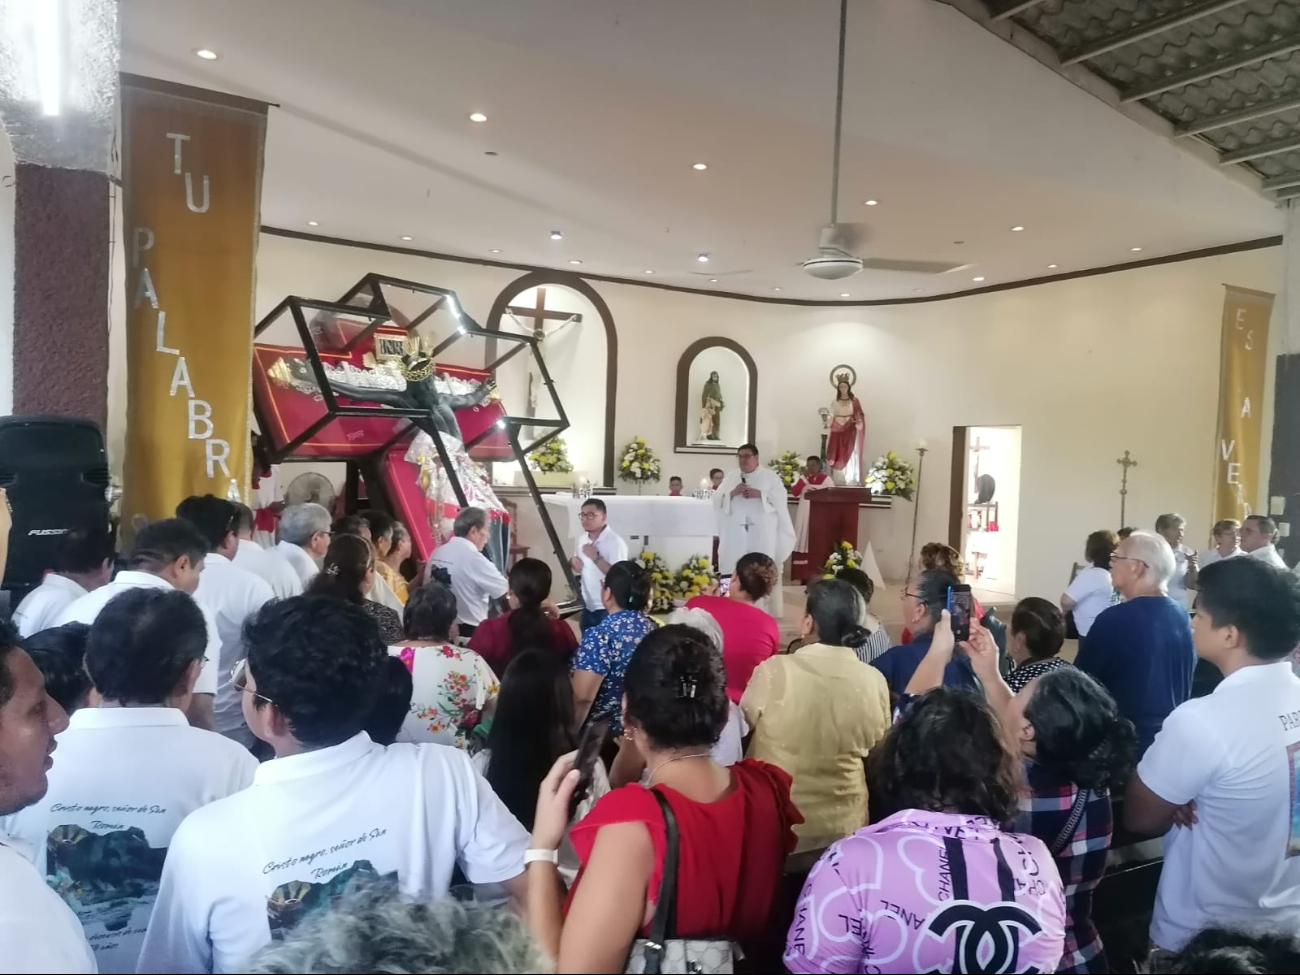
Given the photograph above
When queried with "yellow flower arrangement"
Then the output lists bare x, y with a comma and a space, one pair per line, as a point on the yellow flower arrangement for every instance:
551, 457
844, 556
638, 462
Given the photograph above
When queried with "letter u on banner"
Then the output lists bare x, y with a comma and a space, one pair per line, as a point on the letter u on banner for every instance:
1243, 363
192, 186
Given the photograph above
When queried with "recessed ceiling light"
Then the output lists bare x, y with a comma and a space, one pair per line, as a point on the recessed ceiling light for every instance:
313, 223
700, 167
871, 203
206, 54
495, 250
1053, 267
844, 294
1135, 249
776, 289
980, 278
703, 258
574, 260
556, 235
917, 291
649, 271
1016, 229
477, 117
713, 280
407, 237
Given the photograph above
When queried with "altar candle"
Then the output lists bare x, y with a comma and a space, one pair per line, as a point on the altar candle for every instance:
921, 445
705, 484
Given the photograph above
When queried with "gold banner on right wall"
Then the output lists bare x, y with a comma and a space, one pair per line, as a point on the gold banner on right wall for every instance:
1243, 364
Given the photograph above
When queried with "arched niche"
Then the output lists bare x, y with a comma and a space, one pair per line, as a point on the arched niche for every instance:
737, 381
560, 290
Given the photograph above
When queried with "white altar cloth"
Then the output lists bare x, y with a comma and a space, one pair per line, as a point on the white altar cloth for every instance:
674, 528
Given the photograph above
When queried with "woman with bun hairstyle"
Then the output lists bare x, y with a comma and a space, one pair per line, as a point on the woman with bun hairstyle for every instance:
749, 635
607, 647
348, 573
817, 713
733, 824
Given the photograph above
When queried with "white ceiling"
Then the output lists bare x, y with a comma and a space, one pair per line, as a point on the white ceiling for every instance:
599, 108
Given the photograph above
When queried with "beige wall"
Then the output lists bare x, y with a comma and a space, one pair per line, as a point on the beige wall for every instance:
1088, 368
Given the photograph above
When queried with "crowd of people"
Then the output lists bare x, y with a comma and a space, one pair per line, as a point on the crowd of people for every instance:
304, 759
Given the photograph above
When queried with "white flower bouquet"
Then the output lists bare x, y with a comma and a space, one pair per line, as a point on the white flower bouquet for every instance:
891, 476
638, 463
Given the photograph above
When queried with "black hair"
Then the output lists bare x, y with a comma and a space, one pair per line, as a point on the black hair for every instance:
142, 643
676, 688
160, 543
715, 470
8, 643
392, 702
1238, 953
529, 626
1124, 533
756, 574
1262, 602
430, 612
214, 517
674, 478
244, 519
321, 662
931, 588
351, 525
60, 654
380, 522
629, 584
596, 503
344, 568
748, 446
532, 727
1042, 625
1264, 523
812, 457
1079, 731
1100, 546
859, 580
836, 608
81, 550
945, 754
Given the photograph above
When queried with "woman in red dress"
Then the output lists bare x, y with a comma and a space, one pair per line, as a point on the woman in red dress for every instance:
734, 824
531, 624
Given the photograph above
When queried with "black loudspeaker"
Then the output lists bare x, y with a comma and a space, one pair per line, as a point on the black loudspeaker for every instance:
55, 469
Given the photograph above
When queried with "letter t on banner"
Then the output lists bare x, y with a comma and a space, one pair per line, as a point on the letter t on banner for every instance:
1244, 361
192, 185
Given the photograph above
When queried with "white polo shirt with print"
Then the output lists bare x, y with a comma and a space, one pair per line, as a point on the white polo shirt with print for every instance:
44, 604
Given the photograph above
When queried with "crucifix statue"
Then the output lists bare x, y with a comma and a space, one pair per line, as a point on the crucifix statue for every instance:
1125, 462
978, 448
540, 315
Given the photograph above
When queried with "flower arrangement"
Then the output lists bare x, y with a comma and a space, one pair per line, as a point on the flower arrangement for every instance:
694, 577
661, 581
551, 457
892, 476
638, 462
843, 556
788, 467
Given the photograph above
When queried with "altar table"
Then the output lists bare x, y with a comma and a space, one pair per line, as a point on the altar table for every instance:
676, 529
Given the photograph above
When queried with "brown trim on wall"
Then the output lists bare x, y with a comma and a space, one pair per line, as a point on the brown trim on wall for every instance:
957, 486
683, 393
542, 277
554, 274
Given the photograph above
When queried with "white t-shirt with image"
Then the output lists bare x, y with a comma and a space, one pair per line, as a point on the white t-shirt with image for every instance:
314, 826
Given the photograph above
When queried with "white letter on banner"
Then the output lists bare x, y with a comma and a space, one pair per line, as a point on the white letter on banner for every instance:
1241, 317
1226, 447
200, 411
1250, 340
1245, 407
144, 289
1234, 473
141, 241
189, 194
217, 450
160, 345
177, 138
181, 378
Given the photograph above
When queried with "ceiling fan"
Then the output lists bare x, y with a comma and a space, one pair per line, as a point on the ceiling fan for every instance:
839, 245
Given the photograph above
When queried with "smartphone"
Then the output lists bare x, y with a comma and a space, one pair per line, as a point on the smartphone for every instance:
593, 737
960, 606
724, 586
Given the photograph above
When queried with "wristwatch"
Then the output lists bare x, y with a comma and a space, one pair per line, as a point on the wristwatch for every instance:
541, 856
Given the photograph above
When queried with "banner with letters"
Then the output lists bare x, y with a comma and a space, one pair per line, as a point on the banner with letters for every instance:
1243, 364
192, 181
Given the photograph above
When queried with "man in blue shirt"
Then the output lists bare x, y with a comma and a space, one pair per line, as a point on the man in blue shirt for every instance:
1141, 649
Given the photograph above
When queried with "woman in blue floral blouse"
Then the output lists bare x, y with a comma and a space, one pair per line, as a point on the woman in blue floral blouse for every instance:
606, 647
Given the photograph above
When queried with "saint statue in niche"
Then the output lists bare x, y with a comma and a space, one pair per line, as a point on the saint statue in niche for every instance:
711, 407
844, 442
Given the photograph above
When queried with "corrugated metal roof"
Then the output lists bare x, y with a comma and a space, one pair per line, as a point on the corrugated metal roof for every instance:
1227, 70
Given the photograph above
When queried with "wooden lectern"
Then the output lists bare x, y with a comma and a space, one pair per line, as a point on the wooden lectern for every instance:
832, 518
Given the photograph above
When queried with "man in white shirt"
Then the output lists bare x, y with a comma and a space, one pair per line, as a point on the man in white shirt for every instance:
474, 578
229, 595
1173, 529
304, 539
331, 811
1222, 771
273, 570
754, 516
38, 933
128, 771
1258, 533
599, 547
1226, 536
167, 554
83, 560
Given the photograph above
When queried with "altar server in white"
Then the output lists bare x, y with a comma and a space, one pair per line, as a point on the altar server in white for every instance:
753, 516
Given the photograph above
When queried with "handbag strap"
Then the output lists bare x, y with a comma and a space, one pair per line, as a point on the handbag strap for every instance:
1071, 824
663, 926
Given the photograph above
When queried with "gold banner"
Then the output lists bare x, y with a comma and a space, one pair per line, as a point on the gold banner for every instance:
1244, 360
192, 182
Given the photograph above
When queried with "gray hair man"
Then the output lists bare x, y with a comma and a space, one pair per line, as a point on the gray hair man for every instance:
1141, 649
1173, 528
304, 538
475, 580
1258, 533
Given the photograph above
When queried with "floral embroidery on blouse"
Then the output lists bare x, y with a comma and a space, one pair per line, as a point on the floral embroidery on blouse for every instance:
451, 689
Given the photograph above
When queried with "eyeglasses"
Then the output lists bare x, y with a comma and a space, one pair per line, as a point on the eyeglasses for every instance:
1126, 558
239, 680
918, 598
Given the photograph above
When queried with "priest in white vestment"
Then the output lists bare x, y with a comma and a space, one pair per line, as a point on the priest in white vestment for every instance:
753, 516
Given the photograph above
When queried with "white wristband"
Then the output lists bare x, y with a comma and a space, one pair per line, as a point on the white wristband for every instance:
541, 856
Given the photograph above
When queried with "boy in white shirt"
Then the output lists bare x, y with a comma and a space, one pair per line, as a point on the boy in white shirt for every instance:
1222, 771
37, 931
331, 813
599, 547
83, 561
128, 771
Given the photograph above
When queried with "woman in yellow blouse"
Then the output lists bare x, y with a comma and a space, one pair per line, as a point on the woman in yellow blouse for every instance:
817, 712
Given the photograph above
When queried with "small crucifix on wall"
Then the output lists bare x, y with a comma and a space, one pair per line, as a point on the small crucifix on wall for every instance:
540, 315
1125, 462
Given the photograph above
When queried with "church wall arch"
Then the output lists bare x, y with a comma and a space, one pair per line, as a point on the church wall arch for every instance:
738, 377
